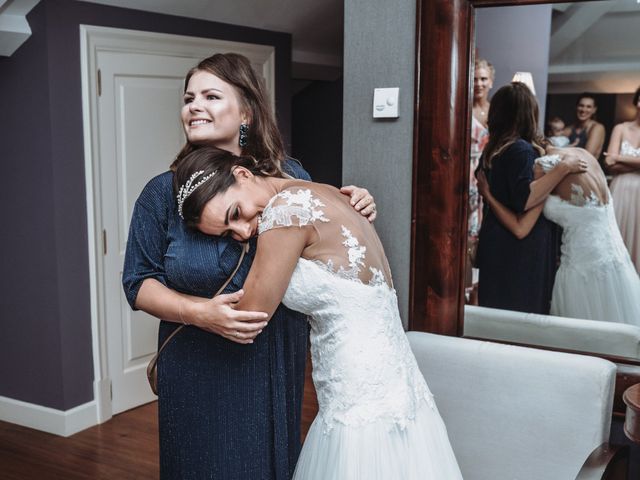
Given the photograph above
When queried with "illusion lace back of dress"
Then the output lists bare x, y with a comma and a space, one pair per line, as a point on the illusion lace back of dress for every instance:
582, 190
363, 368
590, 234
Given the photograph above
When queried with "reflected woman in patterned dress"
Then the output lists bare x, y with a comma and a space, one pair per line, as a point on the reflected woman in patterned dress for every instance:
483, 76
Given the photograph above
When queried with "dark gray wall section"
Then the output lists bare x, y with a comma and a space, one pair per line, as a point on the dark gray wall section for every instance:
516, 39
317, 130
45, 351
379, 51
30, 347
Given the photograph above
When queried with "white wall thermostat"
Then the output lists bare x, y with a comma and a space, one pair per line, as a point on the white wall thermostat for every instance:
385, 102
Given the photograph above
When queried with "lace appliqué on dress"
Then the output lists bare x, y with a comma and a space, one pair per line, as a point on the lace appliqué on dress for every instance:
356, 254
300, 204
548, 162
627, 149
363, 368
579, 199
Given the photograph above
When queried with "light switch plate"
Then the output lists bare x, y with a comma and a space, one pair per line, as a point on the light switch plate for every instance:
385, 102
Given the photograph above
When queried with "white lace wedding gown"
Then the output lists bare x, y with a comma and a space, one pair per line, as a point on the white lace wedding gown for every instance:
596, 279
377, 418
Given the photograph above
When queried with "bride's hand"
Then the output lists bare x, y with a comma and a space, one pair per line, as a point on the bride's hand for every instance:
362, 201
574, 163
218, 316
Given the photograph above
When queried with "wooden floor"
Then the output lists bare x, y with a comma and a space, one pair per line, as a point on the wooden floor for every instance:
124, 448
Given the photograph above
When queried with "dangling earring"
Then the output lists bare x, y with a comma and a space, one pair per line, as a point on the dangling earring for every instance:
244, 134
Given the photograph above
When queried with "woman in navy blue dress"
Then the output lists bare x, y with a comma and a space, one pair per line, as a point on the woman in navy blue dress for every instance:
517, 273
230, 385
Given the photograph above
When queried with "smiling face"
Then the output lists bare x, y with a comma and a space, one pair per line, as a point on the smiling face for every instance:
585, 109
212, 112
482, 83
235, 212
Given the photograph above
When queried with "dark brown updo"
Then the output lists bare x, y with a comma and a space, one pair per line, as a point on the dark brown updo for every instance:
208, 160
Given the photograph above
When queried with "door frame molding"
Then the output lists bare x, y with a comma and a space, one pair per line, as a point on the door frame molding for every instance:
93, 40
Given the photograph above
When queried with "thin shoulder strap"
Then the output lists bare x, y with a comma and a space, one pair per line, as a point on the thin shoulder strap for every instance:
245, 249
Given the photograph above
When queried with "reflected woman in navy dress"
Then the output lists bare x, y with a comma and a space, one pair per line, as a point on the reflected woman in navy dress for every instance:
230, 386
516, 273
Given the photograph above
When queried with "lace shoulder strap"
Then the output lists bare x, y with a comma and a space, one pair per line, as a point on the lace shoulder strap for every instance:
548, 162
293, 206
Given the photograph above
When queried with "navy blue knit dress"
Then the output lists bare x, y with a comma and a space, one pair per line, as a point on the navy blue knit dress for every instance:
226, 411
515, 274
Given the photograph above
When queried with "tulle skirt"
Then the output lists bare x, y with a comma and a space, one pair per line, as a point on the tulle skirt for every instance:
610, 293
376, 451
625, 191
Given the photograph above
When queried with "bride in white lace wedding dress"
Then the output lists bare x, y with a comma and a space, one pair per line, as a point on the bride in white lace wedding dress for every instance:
377, 418
596, 279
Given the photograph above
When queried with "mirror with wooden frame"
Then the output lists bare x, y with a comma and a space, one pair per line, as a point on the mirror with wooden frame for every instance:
450, 34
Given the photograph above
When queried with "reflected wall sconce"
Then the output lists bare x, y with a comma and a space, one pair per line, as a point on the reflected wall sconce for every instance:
526, 78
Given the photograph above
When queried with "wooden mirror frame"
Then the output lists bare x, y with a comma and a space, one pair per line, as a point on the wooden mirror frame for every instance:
444, 60
443, 94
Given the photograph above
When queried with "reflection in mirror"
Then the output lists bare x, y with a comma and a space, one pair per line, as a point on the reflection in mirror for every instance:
556, 264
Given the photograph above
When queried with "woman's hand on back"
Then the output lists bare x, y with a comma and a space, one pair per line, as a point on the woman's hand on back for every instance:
574, 163
362, 201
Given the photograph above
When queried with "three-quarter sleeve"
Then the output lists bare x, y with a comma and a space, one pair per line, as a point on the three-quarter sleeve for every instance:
519, 161
148, 240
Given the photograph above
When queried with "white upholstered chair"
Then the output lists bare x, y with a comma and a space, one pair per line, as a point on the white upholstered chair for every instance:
520, 413
608, 338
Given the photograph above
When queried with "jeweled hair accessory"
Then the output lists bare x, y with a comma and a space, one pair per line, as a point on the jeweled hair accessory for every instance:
189, 187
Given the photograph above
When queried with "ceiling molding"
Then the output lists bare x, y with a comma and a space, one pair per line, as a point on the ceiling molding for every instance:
573, 23
594, 67
14, 28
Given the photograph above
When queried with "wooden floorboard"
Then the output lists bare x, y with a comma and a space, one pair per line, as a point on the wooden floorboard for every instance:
124, 448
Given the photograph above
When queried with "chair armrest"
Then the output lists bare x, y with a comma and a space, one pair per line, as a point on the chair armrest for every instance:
606, 462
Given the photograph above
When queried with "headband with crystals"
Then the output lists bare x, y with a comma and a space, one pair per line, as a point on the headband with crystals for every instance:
189, 187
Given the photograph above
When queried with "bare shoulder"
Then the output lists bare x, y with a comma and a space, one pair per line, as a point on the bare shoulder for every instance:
319, 191
596, 127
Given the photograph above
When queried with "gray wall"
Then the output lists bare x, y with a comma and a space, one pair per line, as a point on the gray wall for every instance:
516, 39
379, 51
45, 348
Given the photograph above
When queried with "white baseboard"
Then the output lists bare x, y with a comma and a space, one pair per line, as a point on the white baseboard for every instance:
58, 422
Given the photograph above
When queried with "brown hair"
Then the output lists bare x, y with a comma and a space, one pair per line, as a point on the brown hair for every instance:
587, 95
264, 141
513, 114
209, 160
636, 97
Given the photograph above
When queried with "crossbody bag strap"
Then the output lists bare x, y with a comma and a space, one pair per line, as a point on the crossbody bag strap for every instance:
245, 249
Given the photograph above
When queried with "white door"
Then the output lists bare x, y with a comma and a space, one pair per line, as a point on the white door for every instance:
135, 133
138, 112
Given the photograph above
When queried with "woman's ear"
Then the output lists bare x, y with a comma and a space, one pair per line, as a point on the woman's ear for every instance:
245, 116
241, 174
